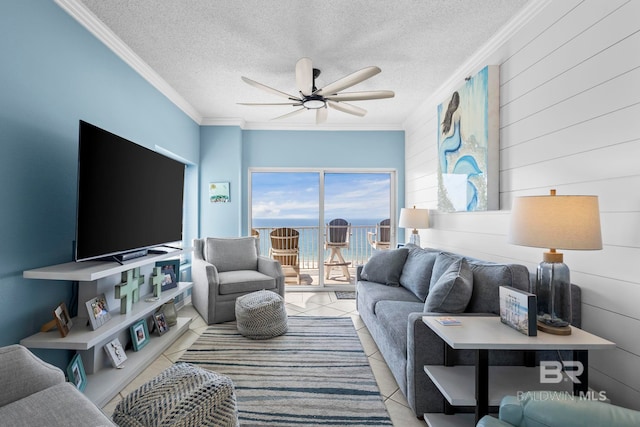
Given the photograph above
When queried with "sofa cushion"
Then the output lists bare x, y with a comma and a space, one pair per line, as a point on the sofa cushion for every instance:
487, 279
241, 281
416, 273
369, 293
394, 315
229, 254
385, 266
442, 263
452, 292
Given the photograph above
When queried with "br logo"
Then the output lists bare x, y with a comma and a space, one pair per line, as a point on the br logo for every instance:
551, 371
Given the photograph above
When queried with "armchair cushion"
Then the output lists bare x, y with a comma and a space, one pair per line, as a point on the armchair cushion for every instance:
232, 254
242, 281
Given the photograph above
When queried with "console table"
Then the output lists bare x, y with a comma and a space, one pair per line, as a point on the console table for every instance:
100, 277
484, 333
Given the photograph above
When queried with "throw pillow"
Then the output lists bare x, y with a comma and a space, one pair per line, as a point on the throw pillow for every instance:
443, 261
416, 273
385, 267
452, 292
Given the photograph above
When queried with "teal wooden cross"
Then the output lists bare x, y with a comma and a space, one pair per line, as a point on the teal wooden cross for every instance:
126, 291
140, 277
155, 280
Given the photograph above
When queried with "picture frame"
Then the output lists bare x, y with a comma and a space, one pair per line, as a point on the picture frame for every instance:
76, 374
160, 323
139, 334
518, 310
116, 353
170, 270
62, 319
219, 192
98, 311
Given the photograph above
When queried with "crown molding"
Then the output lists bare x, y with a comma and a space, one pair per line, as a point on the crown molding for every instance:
87, 19
478, 60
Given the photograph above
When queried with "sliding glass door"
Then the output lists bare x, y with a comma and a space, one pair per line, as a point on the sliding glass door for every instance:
333, 219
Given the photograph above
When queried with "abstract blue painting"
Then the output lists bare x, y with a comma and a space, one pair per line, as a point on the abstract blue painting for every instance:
468, 144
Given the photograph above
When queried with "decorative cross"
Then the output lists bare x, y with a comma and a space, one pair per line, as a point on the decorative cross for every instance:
155, 280
127, 291
140, 277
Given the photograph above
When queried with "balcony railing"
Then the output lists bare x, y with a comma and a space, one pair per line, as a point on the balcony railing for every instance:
312, 254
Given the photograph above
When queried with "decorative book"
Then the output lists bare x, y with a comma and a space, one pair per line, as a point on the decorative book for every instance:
448, 321
518, 310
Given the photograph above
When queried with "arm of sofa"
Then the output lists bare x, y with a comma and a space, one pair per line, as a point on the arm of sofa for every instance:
22, 374
272, 268
489, 421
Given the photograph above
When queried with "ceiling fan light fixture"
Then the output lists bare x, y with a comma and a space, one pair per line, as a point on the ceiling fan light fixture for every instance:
314, 102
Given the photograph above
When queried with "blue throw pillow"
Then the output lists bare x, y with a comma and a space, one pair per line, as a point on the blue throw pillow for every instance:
385, 267
416, 273
452, 291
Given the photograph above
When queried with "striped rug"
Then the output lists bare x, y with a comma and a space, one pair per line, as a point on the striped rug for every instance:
314, 375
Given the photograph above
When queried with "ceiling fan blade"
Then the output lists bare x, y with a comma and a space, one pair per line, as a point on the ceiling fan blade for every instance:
269, 89
348, 81
321, 115
347, 108
269, 103
293, 113
361, 96
304, 76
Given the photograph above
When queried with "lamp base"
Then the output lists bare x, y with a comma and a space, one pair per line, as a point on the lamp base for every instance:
414, 239
554, 330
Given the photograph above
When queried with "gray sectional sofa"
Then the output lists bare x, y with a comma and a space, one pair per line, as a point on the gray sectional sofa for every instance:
34, 393
397, 287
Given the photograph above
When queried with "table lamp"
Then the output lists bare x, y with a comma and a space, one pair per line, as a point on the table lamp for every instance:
555, 222
414, 218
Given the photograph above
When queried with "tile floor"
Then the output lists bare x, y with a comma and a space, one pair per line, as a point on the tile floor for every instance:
298, 304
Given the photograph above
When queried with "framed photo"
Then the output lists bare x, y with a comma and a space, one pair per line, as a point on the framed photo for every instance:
219, 192
98, 311
170, 271
139, 334
62, 319
75, 372
518, 310
160, 323
116, 353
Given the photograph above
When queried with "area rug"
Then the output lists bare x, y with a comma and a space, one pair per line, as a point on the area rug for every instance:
346, 294
314, 375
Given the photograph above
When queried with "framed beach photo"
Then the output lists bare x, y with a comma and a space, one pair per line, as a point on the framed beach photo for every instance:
76, 374
170, 271
518, 310
116, 353
160, 323
98, 311
139, 334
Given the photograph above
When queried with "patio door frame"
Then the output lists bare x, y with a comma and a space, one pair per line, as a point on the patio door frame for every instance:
393, 209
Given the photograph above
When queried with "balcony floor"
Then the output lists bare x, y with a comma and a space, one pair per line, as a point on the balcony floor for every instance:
310, 278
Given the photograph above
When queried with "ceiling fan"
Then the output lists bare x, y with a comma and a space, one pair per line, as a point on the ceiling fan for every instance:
312, 98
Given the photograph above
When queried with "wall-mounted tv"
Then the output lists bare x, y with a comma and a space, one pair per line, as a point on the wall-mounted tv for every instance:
130, 198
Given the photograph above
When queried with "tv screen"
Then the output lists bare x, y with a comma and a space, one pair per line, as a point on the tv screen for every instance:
129, 197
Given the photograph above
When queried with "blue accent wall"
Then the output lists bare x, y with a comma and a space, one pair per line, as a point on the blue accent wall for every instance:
227, 153
54, 73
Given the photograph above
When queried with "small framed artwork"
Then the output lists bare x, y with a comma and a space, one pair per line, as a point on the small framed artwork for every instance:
518, 310
62, 319
116, 353
160, 323
219, 192
75, 372
139, 334
170, 271
98, 311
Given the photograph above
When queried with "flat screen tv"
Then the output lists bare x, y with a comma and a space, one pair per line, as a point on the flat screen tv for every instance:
129, 197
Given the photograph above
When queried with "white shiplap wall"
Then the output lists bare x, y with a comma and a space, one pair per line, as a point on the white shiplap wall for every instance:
570, 120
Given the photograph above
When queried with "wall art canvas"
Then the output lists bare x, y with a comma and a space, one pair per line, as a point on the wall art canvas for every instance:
468, 145
219, 192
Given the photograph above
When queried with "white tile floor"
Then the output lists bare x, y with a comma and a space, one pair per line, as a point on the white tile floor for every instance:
298, 304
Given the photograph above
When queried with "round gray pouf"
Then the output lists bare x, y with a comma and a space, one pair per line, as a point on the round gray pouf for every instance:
261, 315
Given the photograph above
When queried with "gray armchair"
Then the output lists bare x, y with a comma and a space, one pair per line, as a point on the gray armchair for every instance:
224, 269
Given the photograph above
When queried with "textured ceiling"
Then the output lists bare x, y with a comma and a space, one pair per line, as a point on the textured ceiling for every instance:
201, 48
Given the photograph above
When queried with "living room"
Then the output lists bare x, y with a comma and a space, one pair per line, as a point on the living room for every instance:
569, 95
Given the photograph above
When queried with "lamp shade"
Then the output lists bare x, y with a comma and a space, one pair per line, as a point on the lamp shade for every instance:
414, 218
557, 222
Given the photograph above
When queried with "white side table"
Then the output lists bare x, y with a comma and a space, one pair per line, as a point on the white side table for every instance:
484, 333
